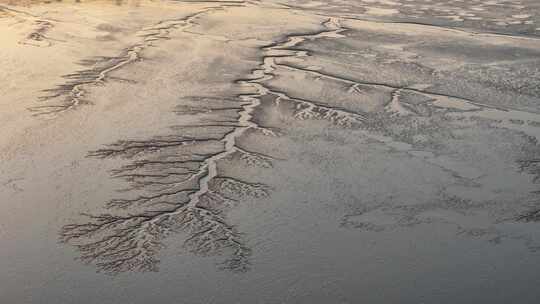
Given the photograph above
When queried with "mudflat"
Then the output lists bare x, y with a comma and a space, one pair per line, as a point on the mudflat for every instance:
336, 151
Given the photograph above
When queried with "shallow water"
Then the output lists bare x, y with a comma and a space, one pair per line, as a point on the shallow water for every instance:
269, 151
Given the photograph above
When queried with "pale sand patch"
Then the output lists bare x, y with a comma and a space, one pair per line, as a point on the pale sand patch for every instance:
453, 18
377, 11
385, 2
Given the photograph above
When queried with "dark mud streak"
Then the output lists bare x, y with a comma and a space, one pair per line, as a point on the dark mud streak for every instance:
38, 37
531, 166
450, 28
388, 85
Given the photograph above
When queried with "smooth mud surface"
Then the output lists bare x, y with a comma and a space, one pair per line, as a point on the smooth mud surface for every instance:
368, 151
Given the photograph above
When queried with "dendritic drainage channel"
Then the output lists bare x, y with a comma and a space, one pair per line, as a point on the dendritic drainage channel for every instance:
414, 118
183, 190
305, 109
71, 94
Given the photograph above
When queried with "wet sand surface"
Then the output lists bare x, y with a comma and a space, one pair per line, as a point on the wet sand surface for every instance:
335, 151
